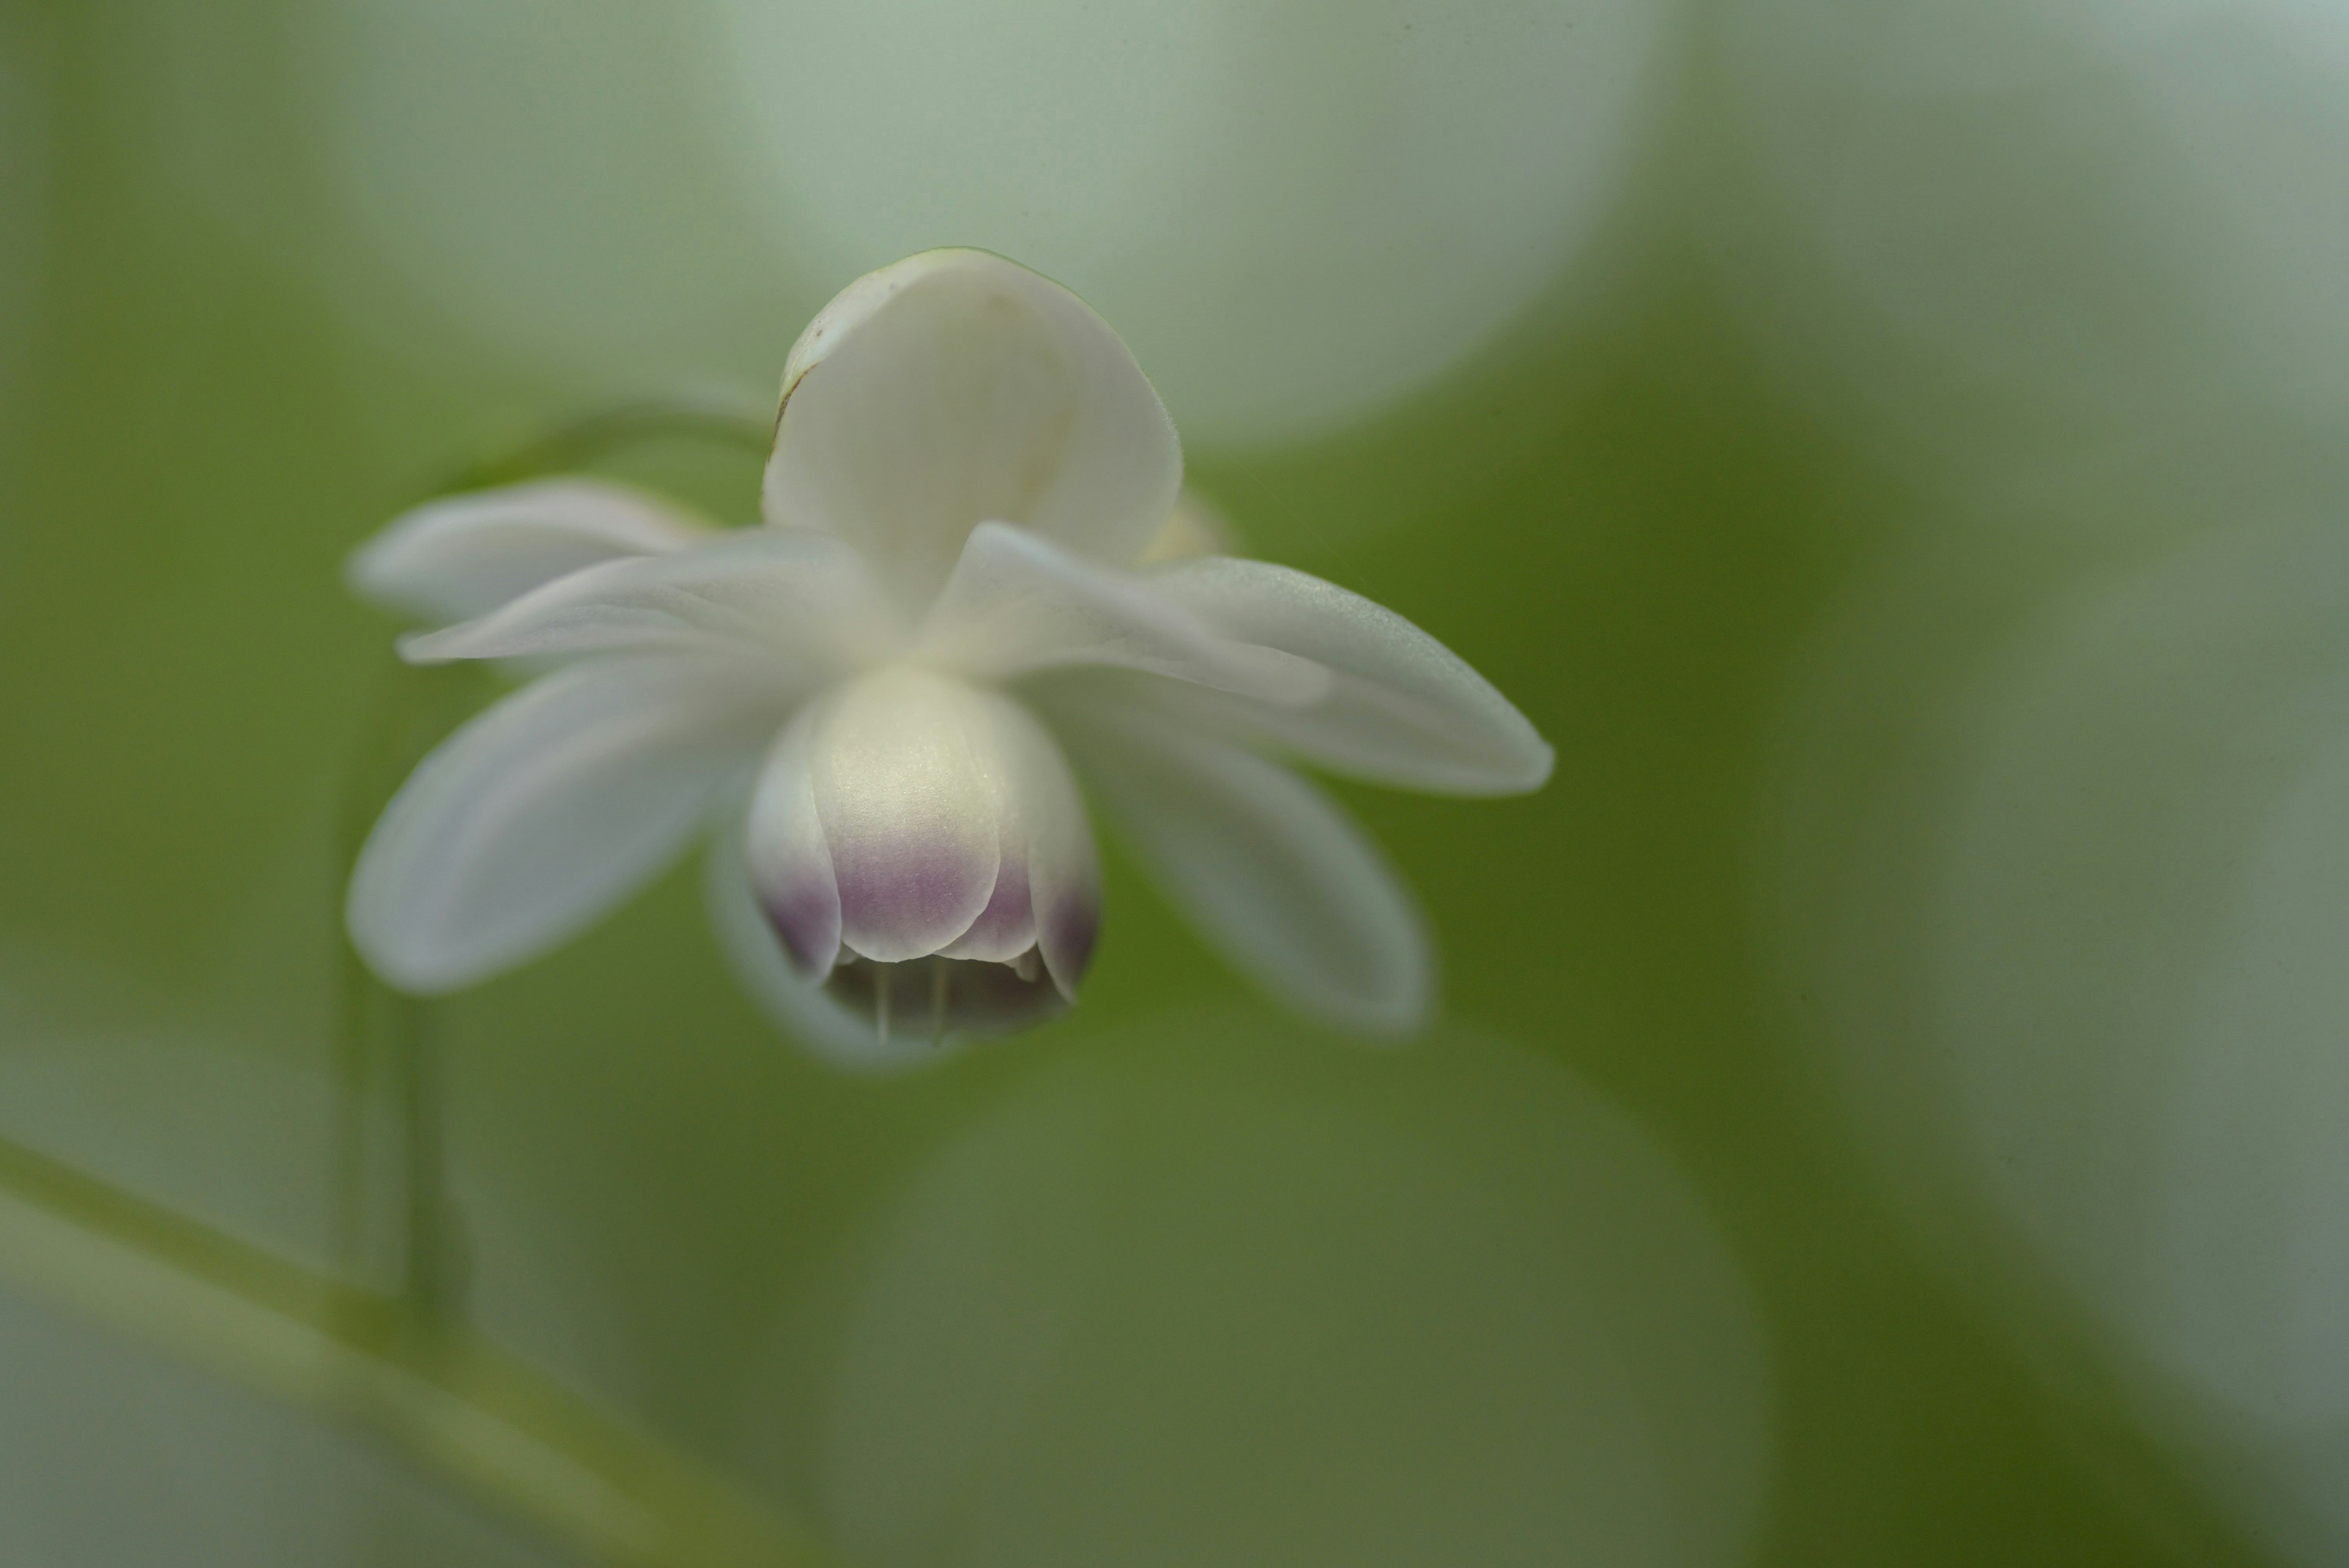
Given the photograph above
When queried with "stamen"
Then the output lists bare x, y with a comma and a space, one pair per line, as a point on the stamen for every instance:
964, 996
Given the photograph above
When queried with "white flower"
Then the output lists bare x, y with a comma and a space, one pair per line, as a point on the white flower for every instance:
871, 693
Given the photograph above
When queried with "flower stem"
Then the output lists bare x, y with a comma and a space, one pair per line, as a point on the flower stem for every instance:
383, 1341
581, 442
459, 1404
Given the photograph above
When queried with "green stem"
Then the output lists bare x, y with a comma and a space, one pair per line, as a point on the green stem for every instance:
583, 440
375, 1344
385, 1053
392, 1036
382, 1344
455, 1401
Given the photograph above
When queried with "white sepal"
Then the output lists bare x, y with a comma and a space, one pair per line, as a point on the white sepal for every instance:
1272, 873
789, 597
544, 812
956, 387
1401, 708
464, 555
1019, 605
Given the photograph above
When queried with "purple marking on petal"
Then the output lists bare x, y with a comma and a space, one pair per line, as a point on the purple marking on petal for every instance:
910, 890
910, 815
807, 921
1066, 934
1006, 927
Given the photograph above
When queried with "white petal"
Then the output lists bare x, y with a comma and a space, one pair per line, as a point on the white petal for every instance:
797, 1004
790, 863
1018, 603
911, 798
464, 555
956, 386
1272, 872
1048, 895
796, 598
1402, 708
538, 815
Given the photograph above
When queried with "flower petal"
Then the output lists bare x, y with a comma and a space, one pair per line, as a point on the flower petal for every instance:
464, 555
911, 799
790, 595
797, 1004
1271, 871
540, 814
790, 863
1048, 895
1402, 708
956, 386
1018, 604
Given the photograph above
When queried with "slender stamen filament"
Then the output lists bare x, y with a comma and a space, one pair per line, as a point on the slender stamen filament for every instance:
965, 995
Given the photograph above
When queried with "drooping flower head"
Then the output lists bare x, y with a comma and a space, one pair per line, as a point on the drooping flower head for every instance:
977, 565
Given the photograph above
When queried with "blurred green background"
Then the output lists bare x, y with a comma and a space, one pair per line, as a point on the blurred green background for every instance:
1887, 1104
